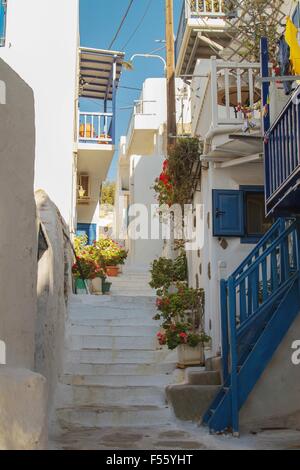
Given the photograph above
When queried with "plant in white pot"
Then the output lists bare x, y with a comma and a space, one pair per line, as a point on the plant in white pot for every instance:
181, 314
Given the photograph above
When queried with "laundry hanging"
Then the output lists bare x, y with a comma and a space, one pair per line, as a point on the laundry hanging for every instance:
291, 34
284, 62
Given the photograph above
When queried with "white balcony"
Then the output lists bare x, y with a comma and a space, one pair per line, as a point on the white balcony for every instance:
201, 33
95, 147
226, 111
142, 128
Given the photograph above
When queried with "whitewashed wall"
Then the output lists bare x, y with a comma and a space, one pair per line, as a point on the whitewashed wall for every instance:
41, 46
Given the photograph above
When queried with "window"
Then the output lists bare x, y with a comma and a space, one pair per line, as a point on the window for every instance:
83, 191
3, 7
240, 213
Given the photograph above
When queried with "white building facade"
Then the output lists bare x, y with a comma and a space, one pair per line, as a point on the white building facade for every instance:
141, 157
73, 148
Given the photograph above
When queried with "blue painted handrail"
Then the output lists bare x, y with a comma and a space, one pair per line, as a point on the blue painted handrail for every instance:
265, 241
282, 152
250, 294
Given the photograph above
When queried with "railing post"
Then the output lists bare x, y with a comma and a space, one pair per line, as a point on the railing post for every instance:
114, 92
214, 92
224, 327
264, 58
234, 358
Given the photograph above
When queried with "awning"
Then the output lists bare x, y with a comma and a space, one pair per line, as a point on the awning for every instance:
96, 72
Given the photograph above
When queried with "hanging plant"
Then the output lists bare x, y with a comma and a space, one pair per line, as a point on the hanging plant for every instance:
173, 186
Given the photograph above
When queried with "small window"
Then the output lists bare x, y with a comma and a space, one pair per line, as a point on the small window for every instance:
256, 224
3, 7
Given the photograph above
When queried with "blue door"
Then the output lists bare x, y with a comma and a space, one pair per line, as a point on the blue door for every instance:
88, 229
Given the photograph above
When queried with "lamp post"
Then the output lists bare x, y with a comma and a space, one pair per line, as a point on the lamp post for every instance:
153, 56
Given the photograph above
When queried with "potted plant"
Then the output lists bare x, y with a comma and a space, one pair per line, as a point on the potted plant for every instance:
189, 344
105, 286
181, 315
111, 254
97, 281
83, 270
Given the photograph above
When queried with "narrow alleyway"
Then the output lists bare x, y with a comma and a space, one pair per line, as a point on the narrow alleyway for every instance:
112, 392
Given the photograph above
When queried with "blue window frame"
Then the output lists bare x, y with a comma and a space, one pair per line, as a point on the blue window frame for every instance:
240, 213
87, 229
3, 7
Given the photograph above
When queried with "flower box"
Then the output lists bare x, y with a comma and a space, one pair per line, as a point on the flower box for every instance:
188, 356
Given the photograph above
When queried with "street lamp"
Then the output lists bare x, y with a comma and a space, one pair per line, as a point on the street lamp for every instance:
153, 56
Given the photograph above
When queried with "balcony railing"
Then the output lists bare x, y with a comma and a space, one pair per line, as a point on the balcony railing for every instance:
95, 128
193, 9
226, 93
282, 155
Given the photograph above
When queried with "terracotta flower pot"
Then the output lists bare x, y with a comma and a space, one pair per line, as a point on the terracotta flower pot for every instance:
188, 356
112, 271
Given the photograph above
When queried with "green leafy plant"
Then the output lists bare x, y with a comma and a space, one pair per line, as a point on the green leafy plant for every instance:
87, 268
181, 314
181, 333
109, 252
165, 271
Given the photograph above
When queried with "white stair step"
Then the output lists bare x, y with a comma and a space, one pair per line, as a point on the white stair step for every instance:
112, 342
115, 330
111, 395
107, 315
127, 369
97, 416
100, 301
104, 356
117, 380
110, 322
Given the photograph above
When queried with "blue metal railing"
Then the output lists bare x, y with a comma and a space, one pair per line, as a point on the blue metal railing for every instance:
250, 294
282, 152
3, 6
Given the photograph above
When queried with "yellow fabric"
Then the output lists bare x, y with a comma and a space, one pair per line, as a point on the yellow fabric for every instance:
291, 34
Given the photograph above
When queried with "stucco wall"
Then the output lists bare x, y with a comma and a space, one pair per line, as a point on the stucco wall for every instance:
144, 171
18, 234
41, 45
274, 401
206, 263
53, 288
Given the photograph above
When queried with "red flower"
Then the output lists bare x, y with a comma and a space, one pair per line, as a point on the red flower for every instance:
165, 164
164, 178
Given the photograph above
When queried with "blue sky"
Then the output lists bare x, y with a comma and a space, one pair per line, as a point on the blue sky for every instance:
99, 20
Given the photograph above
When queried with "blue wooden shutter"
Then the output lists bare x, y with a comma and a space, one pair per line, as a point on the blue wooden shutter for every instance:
228, 213
2, 21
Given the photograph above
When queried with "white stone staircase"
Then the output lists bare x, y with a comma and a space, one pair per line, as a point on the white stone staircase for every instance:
114, 372
132, 283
